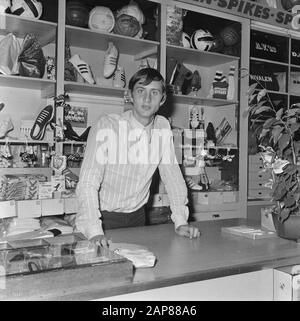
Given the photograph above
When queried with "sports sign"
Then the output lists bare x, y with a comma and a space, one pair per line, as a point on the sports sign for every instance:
252, 10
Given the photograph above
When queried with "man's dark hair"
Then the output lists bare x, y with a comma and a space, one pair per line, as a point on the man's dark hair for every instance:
145, 76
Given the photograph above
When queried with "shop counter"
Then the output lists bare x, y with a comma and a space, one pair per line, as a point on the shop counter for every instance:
216, 266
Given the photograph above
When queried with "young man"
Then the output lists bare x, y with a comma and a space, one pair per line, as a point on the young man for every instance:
122, 154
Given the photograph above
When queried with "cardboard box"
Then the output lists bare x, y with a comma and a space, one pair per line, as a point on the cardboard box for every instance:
287, 283
53, 206
29, 208
230, 197
203, 198
8, 209
215, 198
70, 205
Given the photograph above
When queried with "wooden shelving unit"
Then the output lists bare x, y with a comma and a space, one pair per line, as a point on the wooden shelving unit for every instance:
131, 51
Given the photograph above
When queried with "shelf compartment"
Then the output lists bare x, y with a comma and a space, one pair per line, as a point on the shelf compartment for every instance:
73, 142
269, 61
29, 83
274, 92
24, 141
190, 100
87, 89
86, 38
197, 57
26, 170
45, 31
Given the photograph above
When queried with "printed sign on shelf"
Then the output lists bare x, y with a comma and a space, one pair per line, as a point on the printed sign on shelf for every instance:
254, 11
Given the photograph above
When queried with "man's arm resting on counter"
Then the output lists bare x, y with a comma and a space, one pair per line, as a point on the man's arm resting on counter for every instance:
177, 192
87, 220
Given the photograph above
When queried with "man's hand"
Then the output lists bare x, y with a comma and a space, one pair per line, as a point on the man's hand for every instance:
188, 231
100, 240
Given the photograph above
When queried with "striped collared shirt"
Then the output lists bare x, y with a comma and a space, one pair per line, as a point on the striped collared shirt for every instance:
120, 181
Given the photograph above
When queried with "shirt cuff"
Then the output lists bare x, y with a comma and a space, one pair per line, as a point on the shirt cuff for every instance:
91, 231
180, 219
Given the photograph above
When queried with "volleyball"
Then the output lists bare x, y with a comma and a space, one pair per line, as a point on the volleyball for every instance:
230, 36
202, 40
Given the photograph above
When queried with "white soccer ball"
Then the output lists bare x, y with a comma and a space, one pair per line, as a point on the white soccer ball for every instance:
101, 19
27, 9
185, 40
202, 40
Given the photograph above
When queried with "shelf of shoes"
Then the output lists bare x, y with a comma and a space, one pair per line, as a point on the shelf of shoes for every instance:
46, 86
86, 38
197, 57
73, 142
26, 171
23, 141
195, 100
87, 89
45, 31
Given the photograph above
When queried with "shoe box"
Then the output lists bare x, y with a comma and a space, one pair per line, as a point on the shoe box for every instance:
37, 208
7, 209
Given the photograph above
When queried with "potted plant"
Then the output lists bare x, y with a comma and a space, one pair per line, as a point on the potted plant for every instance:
278, 133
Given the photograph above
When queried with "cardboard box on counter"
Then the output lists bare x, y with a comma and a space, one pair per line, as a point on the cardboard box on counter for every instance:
8, 209
29, 208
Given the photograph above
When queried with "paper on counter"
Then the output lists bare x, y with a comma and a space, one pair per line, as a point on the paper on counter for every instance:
140, 256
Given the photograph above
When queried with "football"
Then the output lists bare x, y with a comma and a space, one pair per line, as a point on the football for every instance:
27, 9
202, 40
185, 40
230, 36
126, 25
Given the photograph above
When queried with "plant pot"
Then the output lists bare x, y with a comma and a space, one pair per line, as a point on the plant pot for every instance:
289, 229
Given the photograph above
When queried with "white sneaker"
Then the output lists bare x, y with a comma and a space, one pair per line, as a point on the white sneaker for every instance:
192, 185
110, 60
119, 79
82, 68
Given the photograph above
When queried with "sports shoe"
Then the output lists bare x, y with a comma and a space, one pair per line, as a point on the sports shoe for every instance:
82, 68
43, 119
192, 185
119, 79
84, 136
110, 60
69, 132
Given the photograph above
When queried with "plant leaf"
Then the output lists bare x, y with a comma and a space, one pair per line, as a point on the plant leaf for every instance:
284, 215
263, 133
283, 141
261, 94
279, 114
269, 122
261, 109
294, 127
276, 132
290, 200
279, 191
251, 89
